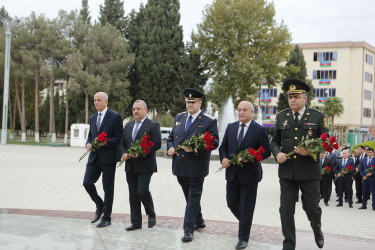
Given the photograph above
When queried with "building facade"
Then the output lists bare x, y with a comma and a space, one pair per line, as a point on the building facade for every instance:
342, 69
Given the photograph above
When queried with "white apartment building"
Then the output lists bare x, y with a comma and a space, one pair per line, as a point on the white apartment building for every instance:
342, 69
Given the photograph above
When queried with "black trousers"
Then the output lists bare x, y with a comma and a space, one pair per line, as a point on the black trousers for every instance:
358, 186
310, 203
326, 184
92, 174
192, 188
241, 200
368, 186
345, 185
139, 191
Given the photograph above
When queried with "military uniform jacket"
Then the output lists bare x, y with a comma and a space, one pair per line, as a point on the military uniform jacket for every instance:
186, 164
288, 134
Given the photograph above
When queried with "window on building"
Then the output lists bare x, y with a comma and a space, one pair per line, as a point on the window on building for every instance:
325, 56
369, 59
274, 111
269, 93
324, 74
368, 77
366, 112
323, 92
367, 95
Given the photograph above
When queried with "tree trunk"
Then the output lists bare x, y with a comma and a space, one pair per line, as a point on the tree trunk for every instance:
23, 117
11, 118
19, 107
158, 115
13, 126
86, 107
37, 105
52, 129
66, 114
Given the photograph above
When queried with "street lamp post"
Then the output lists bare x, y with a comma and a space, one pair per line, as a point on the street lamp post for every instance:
8, 25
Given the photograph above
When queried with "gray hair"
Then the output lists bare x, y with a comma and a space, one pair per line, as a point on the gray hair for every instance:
345, 150
141, 101
104, 94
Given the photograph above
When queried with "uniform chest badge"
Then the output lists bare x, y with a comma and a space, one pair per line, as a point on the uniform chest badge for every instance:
285, 123
177, 123
309, 132
325, 122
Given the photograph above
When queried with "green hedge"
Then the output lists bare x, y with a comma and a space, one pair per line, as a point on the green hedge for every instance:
367, 143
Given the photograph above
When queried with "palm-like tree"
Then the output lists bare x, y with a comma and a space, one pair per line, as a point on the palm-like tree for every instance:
333, 107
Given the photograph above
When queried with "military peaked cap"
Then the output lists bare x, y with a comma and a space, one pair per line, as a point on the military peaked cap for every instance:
192, 95
294, 86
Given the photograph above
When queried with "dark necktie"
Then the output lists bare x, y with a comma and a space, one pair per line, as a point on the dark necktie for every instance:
296, 114
136, 130
240, 136
368, 161
343, 165
322, 161
188, 123
99, 122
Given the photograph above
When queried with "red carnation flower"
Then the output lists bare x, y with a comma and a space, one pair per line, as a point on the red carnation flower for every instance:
335, 146
261, 150
101, 137
251, 151
332, 139
143, 144
372, 165
104, 133
328, 168
151, 143
259, 157
350, 167
147, 150
323, 136
325, 145
329, 149
208, 147
147, 136
257, 154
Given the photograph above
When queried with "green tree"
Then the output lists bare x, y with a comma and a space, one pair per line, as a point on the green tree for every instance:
112, 12
296, 66
160, 53
241, 44
84, 12
332, 108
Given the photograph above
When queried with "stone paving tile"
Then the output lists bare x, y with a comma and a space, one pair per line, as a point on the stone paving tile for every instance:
50, 178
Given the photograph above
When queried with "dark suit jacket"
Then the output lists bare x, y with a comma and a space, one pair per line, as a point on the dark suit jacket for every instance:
112, 125
364, 166
288, 134
256, 136
186, 164
339, 167
327, 162
141, 164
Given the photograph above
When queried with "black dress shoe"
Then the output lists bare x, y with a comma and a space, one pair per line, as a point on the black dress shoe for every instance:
363, 207
99, 212
151, 221
337, 199
373, 208
200, 226
187, 237
358, 202
351, 206
103, 223
241, 244
339, 205
132, 227
318, 234
326, 203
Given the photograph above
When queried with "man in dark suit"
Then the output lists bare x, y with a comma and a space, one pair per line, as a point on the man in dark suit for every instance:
138, 169
368, 179
333, 158
242, 182
190, 167
361, 156
356, 176
299, 170
104, 159
325, 162
345, 182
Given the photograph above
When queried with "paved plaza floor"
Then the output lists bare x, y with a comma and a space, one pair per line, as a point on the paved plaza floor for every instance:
43, 205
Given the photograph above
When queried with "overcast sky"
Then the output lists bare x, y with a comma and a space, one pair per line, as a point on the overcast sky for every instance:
307, 20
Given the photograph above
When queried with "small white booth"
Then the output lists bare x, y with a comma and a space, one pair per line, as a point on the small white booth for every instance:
78, 134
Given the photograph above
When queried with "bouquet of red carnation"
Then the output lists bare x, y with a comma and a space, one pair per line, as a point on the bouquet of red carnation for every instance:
102, 137
344, 171
326, 170
317, 145
140, 148
370, 169
199, 142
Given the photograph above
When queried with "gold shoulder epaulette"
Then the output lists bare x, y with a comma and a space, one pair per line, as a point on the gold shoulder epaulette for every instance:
283, 110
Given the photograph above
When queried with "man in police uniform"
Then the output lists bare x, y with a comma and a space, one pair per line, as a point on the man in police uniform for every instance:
300, 169
190, 167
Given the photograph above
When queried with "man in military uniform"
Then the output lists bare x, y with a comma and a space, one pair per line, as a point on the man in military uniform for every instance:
190, 167
300, 169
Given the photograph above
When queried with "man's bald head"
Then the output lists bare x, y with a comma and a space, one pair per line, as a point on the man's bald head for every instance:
245, 111
100, 101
